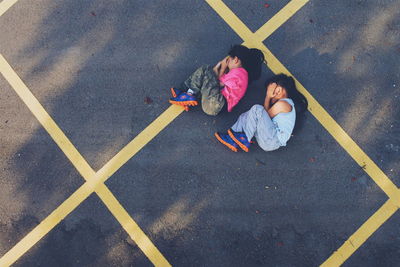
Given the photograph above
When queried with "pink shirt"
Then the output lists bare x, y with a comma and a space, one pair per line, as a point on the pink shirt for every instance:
235, 82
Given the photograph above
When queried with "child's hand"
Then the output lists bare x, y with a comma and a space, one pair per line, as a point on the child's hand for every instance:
217, 68
221, 67
224, 62
225, 59
271, 90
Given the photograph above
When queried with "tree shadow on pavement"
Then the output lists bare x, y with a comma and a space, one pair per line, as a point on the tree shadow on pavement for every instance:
102, 70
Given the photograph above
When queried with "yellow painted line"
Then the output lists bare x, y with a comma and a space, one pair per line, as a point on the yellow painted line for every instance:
266, 30
231, 19
133, 147
90, 186
44, 118
139, 142
359, 156
362, 234
5, 5
315, 108
95, 181
279, 19
344, 140
46, 225
84, 169
66, 208
131, 227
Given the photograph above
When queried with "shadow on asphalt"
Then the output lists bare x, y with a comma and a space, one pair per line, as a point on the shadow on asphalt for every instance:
97, 62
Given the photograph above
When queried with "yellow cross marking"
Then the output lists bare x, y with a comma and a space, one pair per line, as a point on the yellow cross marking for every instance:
362, 234
390, 207
95, 180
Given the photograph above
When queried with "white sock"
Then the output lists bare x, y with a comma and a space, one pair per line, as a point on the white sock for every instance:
190, 91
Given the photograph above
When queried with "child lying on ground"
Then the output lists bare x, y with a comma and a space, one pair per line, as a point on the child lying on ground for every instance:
225, 82
271, 124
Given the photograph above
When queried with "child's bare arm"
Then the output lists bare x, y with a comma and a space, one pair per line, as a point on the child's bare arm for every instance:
279, 107
269, 95
221, 68
224, 66
276, 107
217, 68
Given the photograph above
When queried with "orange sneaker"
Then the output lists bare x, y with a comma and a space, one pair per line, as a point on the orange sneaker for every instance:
184, 99
226, 140
240, 139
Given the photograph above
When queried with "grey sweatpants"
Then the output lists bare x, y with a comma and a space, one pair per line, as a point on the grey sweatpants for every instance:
257, 123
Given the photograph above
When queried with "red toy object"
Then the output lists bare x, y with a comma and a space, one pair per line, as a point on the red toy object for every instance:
266, 5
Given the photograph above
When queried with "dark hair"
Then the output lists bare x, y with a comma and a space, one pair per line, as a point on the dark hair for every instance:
251, 59
288, 83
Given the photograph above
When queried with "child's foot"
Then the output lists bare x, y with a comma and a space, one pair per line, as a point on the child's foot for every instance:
240, 139
175, 92
184, 99
226, 140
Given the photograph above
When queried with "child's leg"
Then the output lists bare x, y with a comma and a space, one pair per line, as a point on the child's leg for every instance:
248, 121
205, 82
212, 101
201, 77
257, 123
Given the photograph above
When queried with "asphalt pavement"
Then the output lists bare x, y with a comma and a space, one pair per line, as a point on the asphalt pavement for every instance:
102, 70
